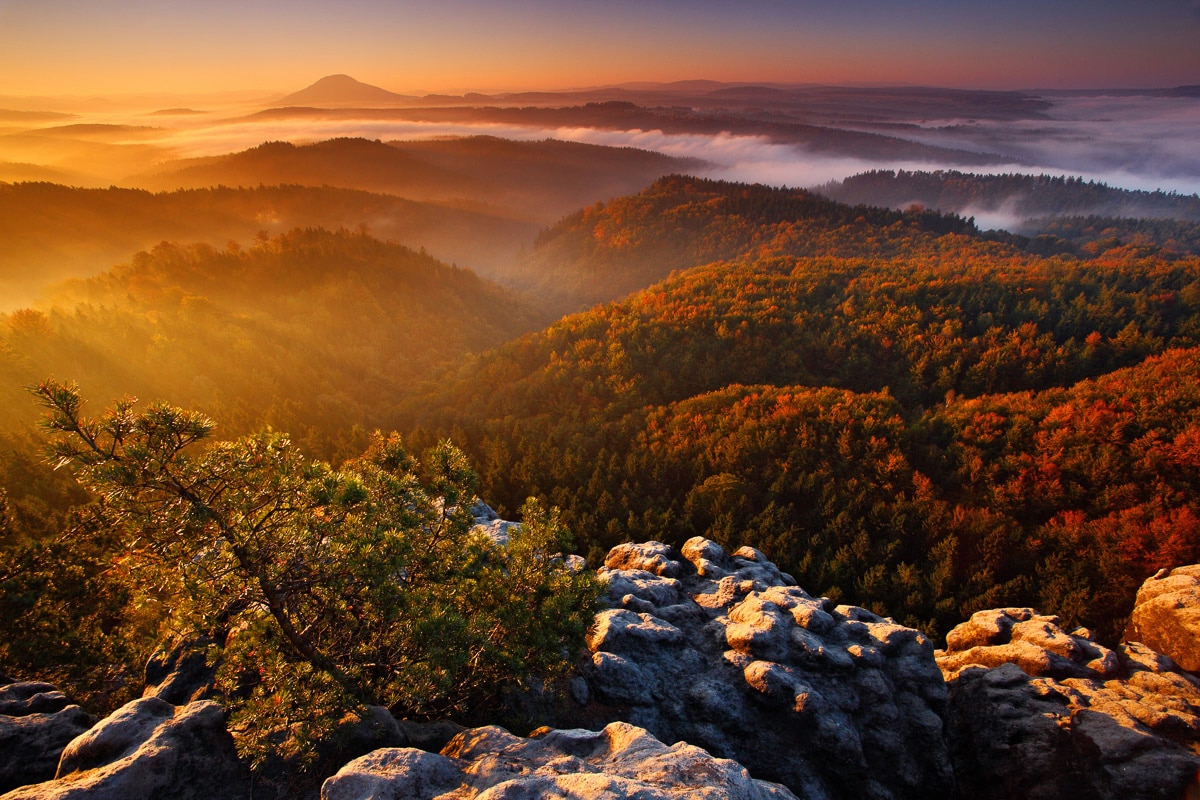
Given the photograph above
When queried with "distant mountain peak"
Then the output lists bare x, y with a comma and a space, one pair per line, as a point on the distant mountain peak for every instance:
339, 91
340, 81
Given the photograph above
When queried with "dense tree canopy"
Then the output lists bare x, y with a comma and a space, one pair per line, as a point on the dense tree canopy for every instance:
330, 587
823, 408
903, 412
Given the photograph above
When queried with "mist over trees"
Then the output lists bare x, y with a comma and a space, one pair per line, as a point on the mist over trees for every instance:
1084, 213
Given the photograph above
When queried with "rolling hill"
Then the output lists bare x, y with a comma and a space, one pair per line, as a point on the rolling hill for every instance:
1076, 210
608, 250
902, 413
533, 180
313, 331
51, 232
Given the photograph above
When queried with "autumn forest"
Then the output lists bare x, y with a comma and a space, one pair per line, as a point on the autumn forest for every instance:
902, 406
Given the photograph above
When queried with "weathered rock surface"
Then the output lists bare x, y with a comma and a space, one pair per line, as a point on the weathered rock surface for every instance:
430, 736
148, 748
622, 762
182, 673
725, 652
36, 723
489, 524
1033, 642
1166, 616
1036, 712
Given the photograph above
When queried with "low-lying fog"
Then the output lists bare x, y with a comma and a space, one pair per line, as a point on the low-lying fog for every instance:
1128, 142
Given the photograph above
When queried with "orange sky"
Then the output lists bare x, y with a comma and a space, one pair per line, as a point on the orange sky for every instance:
85, 48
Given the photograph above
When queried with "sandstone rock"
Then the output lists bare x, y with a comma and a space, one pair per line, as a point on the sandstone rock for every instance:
148, 748
36, 723
1166, 616
429, 736
182, 673
1033, 642
1075, 720
371, 729
21, 699
621, 762
726, 653
489, 524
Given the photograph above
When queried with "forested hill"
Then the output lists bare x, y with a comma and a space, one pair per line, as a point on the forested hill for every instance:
533, 180
844, 410
1074, 209
50, 232
606, 251
1022, 195
311, 331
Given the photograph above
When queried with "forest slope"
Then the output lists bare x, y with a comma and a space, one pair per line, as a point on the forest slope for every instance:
312, 331
606, 251
858, 388
50, 232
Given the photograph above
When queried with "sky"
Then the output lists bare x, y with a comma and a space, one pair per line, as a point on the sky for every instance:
100, 47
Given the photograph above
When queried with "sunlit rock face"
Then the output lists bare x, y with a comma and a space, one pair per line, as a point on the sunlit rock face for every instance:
1166, 616
725, 652
1039, 712
622, 762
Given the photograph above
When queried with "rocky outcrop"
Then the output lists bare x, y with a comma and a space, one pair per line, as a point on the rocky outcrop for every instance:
1166, 616
725, 652
36, 723
148, 748
489, 524
622, 762
752, 678
430, 736
1032, 642
1040, 713
182, 673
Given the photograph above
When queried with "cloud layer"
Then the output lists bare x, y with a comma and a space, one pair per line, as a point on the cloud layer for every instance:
1129, 142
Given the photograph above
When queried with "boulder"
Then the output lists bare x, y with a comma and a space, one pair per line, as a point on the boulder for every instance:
1040, 713
31, 697
622, 762
430, 736
1035, 643
182, 673
291, 768
1166, 616
488, 523
725, 652
36, 723
148, 748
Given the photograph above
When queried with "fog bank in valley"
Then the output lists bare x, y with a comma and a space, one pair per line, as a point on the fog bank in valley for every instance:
1137, 142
